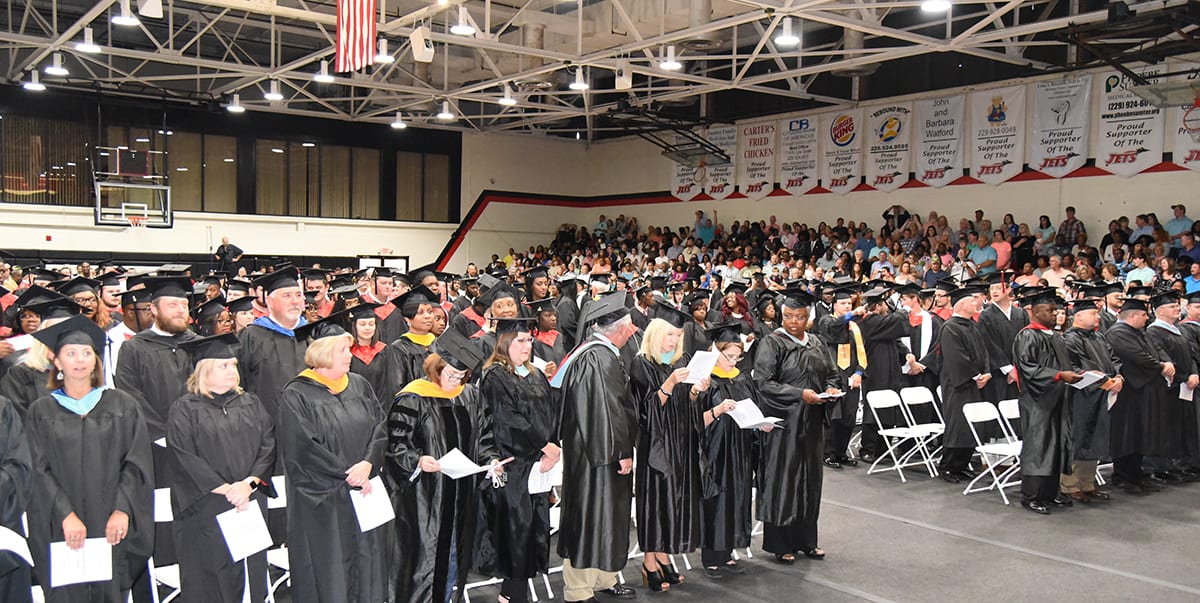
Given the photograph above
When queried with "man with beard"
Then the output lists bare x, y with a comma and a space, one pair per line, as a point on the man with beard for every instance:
966, 371
110, 295
1089, 351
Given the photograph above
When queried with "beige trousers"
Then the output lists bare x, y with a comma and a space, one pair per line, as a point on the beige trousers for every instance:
1082, 478
581, 584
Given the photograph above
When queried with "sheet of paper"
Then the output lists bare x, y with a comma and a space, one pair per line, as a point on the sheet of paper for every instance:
904, 369
746, 342
16, 543
245, 532
92, 563
456, 465
279, 483
539, 363
1112, 399
701, 366
748, 415
1089, 378
979, 376
826, 396
162, 505
1185, 392
907, 343
161, 442
540, 483
374, 509
1006, 369
20, 342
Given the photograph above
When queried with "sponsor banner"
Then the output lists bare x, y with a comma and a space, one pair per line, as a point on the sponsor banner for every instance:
1181, 119
687, 182
721, 177
940, 123
798, 154
997, 133
841, 150
889, 146
1058, 137
756, 159
1129, 131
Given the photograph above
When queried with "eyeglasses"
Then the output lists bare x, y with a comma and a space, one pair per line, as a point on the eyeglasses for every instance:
84, 300
453, 377
733, 359
523, 340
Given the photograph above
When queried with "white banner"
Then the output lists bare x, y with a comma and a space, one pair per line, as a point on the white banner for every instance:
841, 152
1058, 137
687, 182
756, 163
997, 133
1186, 152
721, 177
889, 150
940, 126
798, 154
1130, 130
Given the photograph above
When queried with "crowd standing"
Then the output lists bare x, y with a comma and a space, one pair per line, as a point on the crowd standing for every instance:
574, 357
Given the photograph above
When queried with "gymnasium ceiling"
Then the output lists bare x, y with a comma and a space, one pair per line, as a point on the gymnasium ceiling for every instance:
203, 52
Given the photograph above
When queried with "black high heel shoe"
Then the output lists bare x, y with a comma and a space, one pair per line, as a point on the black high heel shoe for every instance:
815, 554
655, 580
669, 574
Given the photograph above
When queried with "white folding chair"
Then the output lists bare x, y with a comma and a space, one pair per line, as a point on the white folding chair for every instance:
994, 454
894, 437
915, 398
1010, 411
278, 557
167, 575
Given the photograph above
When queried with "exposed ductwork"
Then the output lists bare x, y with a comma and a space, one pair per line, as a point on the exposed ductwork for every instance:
853, 40
699, 15
534, 36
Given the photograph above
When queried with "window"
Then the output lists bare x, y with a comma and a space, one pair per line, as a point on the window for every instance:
335, 182
186, 175
422, 187
364, 189
44, 161
271, 182
220, 173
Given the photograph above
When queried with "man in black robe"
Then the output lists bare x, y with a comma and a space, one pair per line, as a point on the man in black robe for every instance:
382, 289
1113, 298
598, 430
1089, 351
920, 367
598, 283
643, 307
468, 293
470, 321
1044, 372
999, 322
1190, 326
965, 372
568, 309
270, 355
1144, 368
838, 330
881, 329
16, 474
1169, 416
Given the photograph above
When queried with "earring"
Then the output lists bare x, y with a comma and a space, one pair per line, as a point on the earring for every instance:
60, 376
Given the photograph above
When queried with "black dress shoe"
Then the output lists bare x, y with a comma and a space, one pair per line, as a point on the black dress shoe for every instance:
867, 457
619, 591
1062, 500
1149, 485
832, 463
1096, 495
733, 567
1132, 488
847, 461
952, 478
1155, 479
714, 573
1036, 506
1169, 477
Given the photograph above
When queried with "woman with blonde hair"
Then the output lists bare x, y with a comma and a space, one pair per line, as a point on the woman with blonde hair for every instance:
331, 441
667, 476
223, 442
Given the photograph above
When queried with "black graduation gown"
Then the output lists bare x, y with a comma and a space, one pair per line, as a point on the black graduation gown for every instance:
219, 440
548, 345
1191, 426
928, 378
268, 360
1107, 320
524, 419
91, 466
1168, 418
999, 331
154, 369
464, 324
433, 512
319, 436
16, 479
24, 384
789, 477
405, 360
729, 451
885, 354
835, 333
1089, 351
963, 354
667, 482
598, 428
1045, 402
694, 337
1141, 366
392, 324
640, 319
568, 319
378, 372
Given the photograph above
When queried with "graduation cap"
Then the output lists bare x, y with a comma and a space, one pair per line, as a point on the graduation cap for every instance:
500, 291
329, 326
36, 294
536, 272
737, 285
1165, 298
363, 310
764, 298
209, 310
56, 307
695, 297
672, 315
487, 281
346, 292
730, 332
173, 269
673, 287
927, 293
168, 286
604, 311
414, 298
1035, 296
600, 277
77, 329
42, 274
1134, 303
946, 285
500, 273
376, 272
110, 279
1087, 303
315, 274
467, 280
1143, 292
514, 325
1193, 298
795, 297
541, 305
658, 282
216, 347
908, 289
310, 298
237, 284
341, 281
875, 296
458, 351
878, 283
1111, 287
274, 281
846, 291
241, 304
959, 293
643, 290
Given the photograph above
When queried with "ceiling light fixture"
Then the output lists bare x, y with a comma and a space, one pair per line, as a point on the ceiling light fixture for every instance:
273, 93
507, 100
277, 150
56, 66
236, 105
399, 123
142, 139
670, 64
34, 84
323, 76
445, 114
935, 6
308, 145
579, 83
384, 57
463, 27
125, 17
88, 45
786, 38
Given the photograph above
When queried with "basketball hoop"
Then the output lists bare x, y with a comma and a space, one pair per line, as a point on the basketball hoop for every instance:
137, 221
1191, 120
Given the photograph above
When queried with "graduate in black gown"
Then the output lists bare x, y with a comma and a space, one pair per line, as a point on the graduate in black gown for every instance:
16, 478
1190, 327
1114, 294
434, 531
1000, 321
667, 482
1168, 418
330, 436
881, 329
598, 429
405, 356
382, 290
643, 308
525, 424
726, 518
223, 445
1044, 372
920, 345
270, 354
792, 368
548, 341
966, 369
840, 330
694, 337
567, 305
26, 380
368, 358
1089, 351
93, 473
469, 321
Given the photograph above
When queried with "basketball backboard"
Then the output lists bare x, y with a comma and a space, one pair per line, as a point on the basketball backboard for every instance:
1171, 93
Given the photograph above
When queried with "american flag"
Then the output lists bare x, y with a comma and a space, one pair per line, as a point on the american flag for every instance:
355, 35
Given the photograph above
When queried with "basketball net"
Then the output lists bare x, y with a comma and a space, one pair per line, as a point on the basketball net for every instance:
136, 221
1191, 120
